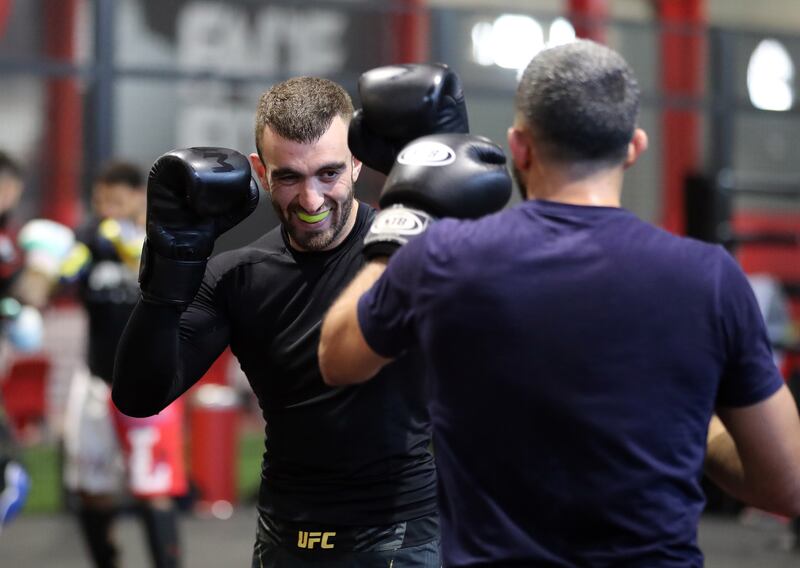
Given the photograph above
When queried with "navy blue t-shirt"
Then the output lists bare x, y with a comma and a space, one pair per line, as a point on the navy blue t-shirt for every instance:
576, 356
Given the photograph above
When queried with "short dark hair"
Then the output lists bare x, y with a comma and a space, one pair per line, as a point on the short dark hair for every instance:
581, 101
120, 172
9, 166
301, 109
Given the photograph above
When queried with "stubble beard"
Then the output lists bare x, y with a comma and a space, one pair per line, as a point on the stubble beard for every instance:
317, 241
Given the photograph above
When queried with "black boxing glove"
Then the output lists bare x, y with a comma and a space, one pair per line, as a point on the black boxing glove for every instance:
443, 175
400, 103
193, 196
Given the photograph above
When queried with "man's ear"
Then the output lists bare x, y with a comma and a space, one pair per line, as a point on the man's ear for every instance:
259, 170
356, 164
519, 144
636, 147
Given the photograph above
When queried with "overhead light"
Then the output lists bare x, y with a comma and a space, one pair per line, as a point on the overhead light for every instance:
482, 47
561, 32
770, 77
516, 40
512, 40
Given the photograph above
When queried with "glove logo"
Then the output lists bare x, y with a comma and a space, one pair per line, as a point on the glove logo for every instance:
399, 221
224, 167
427, 154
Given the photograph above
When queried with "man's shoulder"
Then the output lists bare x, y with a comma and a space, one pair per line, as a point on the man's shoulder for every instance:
457, 233
695, 250
637, 234
364, 217
268, 246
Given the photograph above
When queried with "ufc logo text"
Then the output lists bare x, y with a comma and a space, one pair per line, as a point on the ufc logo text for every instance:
307, 539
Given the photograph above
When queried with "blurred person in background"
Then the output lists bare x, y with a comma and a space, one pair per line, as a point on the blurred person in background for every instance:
29, 257
14, 481
107, 452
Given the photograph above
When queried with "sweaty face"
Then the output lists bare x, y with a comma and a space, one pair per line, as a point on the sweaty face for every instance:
311, 186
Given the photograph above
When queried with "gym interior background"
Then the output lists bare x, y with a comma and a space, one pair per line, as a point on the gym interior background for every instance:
82, 81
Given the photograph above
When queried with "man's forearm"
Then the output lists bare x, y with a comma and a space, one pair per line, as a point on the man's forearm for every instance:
147, 361
344, 356
757, 459
723, 464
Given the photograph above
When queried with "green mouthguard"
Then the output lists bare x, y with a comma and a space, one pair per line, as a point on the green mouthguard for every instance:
313, 218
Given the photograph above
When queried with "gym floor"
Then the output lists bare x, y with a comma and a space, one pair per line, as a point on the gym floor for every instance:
752, 541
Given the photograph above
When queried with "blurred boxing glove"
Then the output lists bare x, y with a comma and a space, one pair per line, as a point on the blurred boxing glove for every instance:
76, 265
193, 196
443, 175
116, 239
46, 244
23, 325
14, 487
400, 103
125, 238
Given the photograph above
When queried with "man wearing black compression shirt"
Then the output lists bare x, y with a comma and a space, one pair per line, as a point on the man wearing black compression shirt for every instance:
347, 475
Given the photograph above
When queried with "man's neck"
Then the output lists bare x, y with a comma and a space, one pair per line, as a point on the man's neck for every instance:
578, 186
